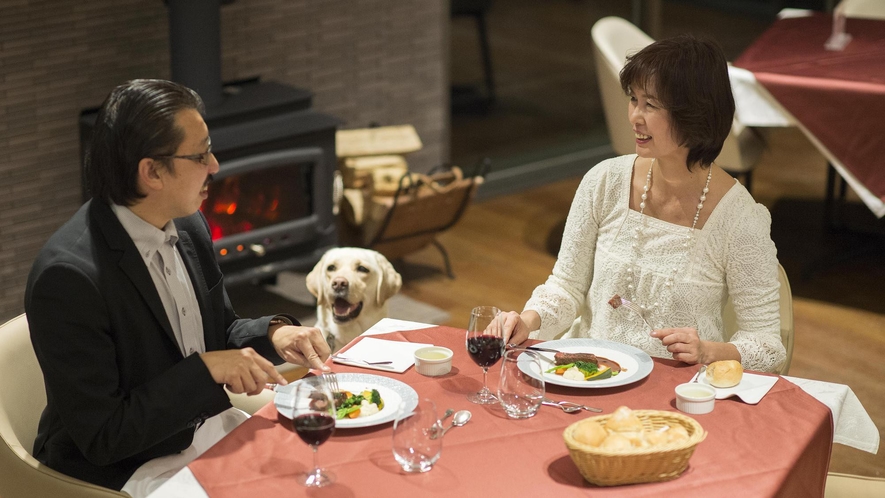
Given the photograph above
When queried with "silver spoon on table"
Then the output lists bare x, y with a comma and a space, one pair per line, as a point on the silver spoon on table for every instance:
570, 406
461, 417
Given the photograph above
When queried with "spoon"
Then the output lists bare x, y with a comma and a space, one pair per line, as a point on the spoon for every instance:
461, 418
700, 372
570, 406
565, 408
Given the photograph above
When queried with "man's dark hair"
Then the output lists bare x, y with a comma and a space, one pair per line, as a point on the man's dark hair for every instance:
689, 77
137, 120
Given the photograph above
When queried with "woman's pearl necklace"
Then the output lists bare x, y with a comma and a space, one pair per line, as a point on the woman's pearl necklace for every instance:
689, 237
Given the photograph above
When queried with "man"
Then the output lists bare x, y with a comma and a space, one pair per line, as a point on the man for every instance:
127, 308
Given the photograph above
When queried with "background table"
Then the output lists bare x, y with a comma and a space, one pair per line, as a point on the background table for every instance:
835, 97
780, 446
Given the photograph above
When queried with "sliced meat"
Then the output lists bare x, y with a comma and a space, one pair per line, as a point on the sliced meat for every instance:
563, 358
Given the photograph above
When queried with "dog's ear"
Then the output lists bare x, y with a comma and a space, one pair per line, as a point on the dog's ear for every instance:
389, 280
315, 279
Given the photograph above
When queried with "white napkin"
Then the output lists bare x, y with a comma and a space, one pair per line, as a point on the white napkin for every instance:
751, 390
388, 325
402, 354
852, 424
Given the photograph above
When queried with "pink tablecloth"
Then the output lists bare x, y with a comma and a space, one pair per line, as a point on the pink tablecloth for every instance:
780, 447
838, 96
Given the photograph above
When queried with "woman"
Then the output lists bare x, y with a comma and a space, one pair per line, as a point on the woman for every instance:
666, 228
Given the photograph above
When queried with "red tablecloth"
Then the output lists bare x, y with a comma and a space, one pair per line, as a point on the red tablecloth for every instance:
780, 447
838, 96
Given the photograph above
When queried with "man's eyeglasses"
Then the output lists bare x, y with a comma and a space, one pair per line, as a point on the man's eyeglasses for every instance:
202, 158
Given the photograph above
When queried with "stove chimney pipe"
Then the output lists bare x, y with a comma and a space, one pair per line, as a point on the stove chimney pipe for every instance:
195, 47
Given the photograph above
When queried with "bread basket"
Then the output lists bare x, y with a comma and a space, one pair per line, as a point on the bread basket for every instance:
650, 464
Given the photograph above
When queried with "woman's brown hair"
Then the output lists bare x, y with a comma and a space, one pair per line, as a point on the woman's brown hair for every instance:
689, 77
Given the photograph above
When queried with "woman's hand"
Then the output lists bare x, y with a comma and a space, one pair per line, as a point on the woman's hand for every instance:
686, 346
683, 343
516, 327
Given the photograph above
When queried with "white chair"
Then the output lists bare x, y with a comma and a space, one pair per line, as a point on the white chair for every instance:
22, 399
729, 318
853, 486
615, 38
862, 9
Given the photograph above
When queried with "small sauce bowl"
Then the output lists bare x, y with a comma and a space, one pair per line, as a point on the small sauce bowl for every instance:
695, 398
433, 361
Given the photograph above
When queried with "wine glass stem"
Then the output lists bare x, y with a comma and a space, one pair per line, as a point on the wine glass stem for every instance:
316, 461
485, 383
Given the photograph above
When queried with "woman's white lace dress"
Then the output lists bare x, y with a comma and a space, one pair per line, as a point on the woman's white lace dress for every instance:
732, 255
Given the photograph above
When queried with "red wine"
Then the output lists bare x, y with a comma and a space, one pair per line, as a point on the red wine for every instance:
485, 350
314, 428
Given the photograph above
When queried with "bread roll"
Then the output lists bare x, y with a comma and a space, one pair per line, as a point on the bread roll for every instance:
589, 432
623, 420
726, 373
616, 442
676, 433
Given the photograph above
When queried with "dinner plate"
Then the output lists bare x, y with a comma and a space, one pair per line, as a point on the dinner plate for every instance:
635, 363
393, 392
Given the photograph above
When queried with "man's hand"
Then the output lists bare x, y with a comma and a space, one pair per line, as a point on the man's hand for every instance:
241, 370
304, 346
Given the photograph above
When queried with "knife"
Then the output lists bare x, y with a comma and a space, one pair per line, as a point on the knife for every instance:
534, 348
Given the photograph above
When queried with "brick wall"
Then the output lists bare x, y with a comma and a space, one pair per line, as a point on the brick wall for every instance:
366, 61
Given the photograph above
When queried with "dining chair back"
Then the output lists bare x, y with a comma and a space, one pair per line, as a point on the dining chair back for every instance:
22, 399
853, 486
862, 9
613, 40
729, 318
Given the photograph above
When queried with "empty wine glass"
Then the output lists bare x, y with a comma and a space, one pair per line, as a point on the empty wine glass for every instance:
485, 344
314, 422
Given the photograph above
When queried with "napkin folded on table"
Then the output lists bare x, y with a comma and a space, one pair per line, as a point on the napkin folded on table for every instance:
402, 354
751, 390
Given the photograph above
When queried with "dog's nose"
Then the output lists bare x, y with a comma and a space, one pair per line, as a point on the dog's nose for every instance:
339, 284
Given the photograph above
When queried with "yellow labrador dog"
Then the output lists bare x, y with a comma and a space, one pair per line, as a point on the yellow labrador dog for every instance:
352, 286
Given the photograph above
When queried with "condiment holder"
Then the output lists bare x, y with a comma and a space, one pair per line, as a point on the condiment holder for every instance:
695, 398
433, 361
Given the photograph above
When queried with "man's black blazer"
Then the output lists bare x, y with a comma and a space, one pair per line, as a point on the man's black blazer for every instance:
119, 391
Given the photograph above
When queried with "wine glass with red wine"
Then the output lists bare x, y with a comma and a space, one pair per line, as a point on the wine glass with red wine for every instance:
485, 344
314, 422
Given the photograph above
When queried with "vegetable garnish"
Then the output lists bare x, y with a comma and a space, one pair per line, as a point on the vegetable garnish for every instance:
351, 405
590, 371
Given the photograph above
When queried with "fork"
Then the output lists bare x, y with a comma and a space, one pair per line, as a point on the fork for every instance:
636, 309
331, 380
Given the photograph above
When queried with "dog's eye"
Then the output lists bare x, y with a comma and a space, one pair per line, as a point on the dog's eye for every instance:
331, 268
362, 269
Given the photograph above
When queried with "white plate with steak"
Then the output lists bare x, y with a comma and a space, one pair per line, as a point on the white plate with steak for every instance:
634, 364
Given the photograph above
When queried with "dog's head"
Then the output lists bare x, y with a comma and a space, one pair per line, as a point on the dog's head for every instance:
348, 278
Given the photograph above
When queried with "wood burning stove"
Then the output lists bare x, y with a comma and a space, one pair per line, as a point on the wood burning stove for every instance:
270, 207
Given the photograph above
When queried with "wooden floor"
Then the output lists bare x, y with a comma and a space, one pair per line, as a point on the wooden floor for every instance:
499, 253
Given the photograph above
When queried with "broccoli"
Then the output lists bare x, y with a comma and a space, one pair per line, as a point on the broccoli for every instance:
376, 398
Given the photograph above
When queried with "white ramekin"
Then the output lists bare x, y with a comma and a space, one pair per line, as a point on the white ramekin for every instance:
433, 361
695, 398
